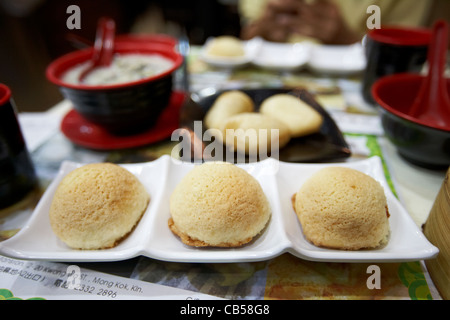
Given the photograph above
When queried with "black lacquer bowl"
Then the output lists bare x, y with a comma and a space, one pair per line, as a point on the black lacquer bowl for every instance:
417, 141
120, 108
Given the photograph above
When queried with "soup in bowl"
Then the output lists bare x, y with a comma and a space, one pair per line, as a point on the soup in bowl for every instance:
126, 97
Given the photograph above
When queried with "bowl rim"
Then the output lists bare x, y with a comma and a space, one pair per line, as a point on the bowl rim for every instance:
401, 36
65, 62
384, 81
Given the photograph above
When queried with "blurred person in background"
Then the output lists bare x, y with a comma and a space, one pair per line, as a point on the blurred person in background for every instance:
332, 21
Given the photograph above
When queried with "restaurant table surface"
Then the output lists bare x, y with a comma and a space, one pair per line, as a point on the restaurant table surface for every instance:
283, 277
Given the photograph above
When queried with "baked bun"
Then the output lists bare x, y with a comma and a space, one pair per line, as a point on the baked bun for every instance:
342, 208
218, 204
97, 205
249, 132
226, 46
226, 105
300, 117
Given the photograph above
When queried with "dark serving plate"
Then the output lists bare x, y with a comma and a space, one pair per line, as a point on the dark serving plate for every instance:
328, 145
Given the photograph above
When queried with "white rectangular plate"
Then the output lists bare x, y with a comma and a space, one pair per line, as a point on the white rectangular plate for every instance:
153, 238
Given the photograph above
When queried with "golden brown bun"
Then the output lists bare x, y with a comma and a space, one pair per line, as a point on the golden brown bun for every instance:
97, 205
300, 118
226, 46
226, 105
343, 208
218, 204
249, 132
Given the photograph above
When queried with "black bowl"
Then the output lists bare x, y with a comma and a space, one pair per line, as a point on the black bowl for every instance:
120, 108
422, 144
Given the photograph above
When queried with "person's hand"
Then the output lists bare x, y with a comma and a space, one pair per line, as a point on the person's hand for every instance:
274, 24
318, 19
321, 20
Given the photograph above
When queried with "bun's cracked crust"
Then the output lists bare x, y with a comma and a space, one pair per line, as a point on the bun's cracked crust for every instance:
218, 204
97, 205
342, 208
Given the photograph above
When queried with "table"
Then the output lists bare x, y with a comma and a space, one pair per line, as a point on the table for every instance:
284, 277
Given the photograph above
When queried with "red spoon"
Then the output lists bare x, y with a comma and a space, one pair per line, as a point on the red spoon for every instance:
432, 103
103, 46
